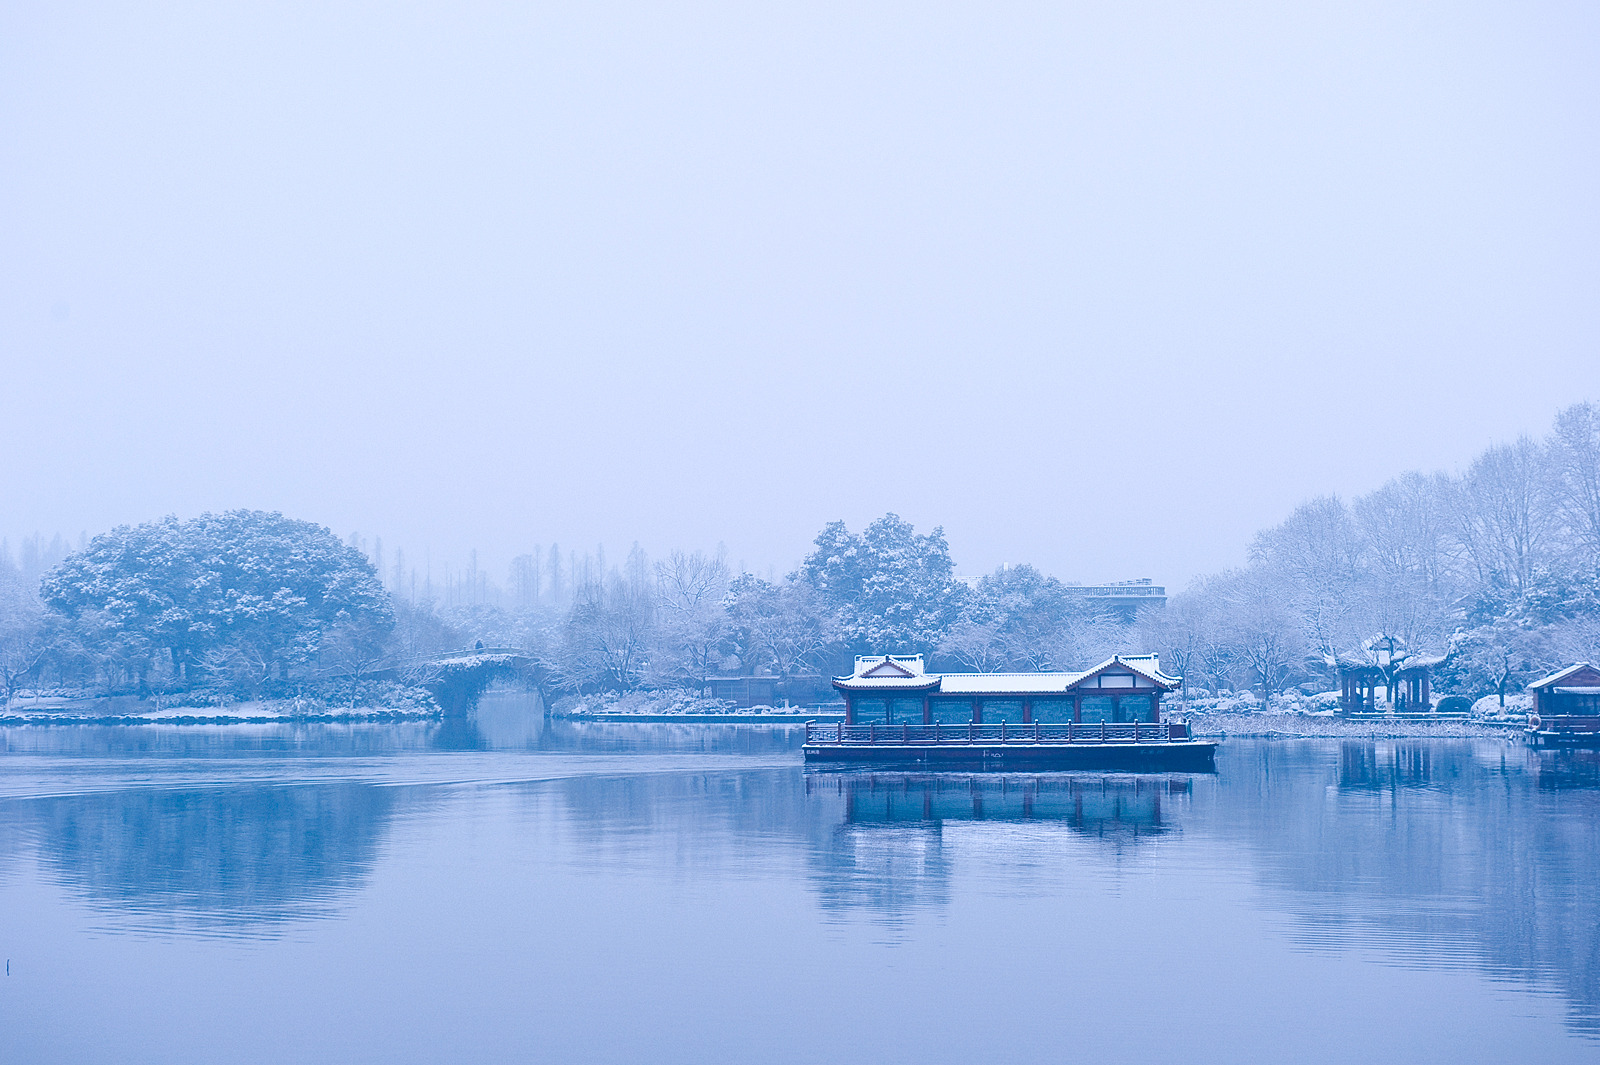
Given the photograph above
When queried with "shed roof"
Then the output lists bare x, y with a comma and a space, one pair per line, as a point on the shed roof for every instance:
1575, 672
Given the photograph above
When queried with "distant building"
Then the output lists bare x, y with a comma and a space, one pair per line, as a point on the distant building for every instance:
1570, 692
1566, 708
801, 690
1121, 599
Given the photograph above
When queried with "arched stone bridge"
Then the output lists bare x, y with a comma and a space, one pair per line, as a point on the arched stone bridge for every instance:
458, 678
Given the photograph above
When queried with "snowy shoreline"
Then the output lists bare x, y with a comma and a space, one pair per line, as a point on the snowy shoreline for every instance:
1316, 726
263, 712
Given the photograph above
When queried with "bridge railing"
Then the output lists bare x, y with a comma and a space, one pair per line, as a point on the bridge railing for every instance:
1005, 732
468, 652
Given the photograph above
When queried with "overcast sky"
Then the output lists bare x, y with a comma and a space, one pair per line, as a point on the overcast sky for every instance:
1104, 287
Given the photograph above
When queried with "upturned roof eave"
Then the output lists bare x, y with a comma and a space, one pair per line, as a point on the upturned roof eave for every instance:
887, 684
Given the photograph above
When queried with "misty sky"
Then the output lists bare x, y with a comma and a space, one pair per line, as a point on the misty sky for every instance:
1104, 287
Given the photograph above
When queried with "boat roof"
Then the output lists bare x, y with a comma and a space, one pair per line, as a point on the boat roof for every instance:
908, 673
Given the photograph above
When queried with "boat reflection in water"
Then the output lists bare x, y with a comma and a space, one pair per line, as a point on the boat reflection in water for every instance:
902, 839
1103, 806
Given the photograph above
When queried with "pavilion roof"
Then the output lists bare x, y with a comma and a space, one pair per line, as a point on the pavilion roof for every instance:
1419, 660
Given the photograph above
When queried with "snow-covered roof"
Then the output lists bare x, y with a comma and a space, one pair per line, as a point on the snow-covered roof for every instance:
888, 673
907, 673
1147, 665
1401, 663
1006, 683
1560, 675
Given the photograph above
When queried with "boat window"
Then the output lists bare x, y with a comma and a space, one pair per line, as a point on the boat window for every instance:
871, 711
997, 710
1096, 708
952, 711
1052, 711
906, 711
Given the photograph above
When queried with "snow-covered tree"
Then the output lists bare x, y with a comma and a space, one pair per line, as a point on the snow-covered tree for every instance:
888, 590
1505, 515
692, 622
25, 633
1575, 457
259, 588
777, 627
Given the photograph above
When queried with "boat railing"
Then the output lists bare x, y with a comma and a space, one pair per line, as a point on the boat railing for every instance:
1567, 723
819, 732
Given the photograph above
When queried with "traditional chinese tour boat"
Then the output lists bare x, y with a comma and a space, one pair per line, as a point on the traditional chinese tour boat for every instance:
1108, 717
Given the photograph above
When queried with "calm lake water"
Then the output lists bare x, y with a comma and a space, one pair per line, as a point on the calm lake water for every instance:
516, 891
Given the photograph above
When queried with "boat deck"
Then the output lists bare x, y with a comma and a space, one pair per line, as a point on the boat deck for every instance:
1121, 745
1565, 731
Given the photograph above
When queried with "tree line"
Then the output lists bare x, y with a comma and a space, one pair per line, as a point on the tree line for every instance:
1496, 569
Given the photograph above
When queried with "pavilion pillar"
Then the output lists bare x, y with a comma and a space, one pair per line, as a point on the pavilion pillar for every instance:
1155, 707
977, 711
1027, 711
927, 709
849, 709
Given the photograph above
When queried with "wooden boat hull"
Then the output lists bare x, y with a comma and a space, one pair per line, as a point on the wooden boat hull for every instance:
1562, 738
1191, 756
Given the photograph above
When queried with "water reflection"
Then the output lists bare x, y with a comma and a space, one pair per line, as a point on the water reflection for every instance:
889, 851
1432, 854
1116, 808
227, 861
125, 743
1558, 769
505, 720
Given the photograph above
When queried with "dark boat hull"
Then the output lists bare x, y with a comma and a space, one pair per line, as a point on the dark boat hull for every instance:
1193, 756
1563, 738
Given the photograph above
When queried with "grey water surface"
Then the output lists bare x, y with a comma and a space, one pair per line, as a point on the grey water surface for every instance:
512, 889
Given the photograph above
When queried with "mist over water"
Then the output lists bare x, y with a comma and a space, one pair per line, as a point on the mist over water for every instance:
473, 275
517, 888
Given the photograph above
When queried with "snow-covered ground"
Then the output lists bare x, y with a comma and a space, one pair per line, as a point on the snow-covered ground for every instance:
666, 702
136, 712
1275, 723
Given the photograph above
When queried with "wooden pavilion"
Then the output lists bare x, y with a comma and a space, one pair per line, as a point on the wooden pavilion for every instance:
1384, 665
